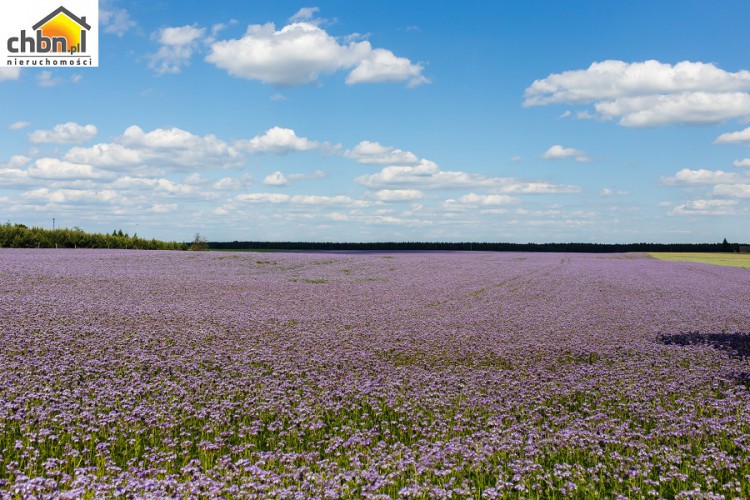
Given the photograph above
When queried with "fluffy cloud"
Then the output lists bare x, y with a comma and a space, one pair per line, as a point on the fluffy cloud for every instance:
279, 179
114, 21
276, 179
300, 199
10, 74
491, 199
162, 208
318, 174
398, 194
263, 198
232, 183
177, 45
373, 153
297, 54
557, 152
304, 14
705, 207
513, 186
52, 168
745, 162
701, 176
105, 155
649, 93
278, 141
302, 51
427, 175
18, 125
736, 190
17, 161
382, 66
75, 196
65, 133
177, 148
612, 79
734, 137
172, 147
161, 185
695, 108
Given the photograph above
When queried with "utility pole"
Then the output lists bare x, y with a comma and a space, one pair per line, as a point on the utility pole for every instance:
53, 223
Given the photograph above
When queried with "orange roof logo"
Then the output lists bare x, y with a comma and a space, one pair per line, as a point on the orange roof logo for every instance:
59, 32
65, 30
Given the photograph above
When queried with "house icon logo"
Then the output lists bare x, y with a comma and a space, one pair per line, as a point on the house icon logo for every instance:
65, 35
61, 31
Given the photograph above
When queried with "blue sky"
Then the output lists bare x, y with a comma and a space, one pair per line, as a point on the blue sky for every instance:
391, 121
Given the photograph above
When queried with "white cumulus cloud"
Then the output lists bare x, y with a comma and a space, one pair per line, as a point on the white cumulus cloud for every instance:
177, 45
161, 185
649, 93
301, 52
116, 21
695, 108
705, 207
64, 133
382, 65
318, 174
278, 141
427, 175
303, 199
232, 183
736, 190
170, 147
53, 168
18, 125
398, 195
17, 161
263, 198
276, 179
514, 186
490, 199
734, 137
557, 152
374, 153
75, 196
744, 162
687, 176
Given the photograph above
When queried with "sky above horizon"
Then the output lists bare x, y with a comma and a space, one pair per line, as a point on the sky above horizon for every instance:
607, 122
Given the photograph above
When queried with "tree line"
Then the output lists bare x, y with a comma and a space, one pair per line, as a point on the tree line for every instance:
21, 236
485, 247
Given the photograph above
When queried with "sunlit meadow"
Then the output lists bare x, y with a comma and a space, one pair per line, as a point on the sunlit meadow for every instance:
341, 375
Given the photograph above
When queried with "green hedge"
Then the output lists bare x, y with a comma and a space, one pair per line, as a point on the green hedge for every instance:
20, 236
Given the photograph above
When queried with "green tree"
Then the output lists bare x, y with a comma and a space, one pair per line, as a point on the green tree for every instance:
200, 243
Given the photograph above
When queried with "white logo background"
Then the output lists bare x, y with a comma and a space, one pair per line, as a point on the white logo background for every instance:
17, 15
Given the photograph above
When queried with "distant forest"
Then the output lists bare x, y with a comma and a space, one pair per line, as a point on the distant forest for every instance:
484, 247
21, 236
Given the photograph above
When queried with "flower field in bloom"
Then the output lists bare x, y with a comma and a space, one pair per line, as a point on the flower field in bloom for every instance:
349, 375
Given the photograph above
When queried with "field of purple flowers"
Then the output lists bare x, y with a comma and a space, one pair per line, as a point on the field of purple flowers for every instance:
335, 375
